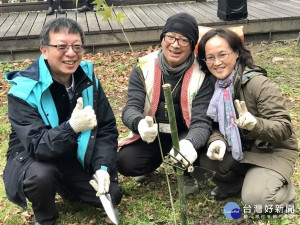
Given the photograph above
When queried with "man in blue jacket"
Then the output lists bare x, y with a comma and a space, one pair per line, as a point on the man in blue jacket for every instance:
63, 128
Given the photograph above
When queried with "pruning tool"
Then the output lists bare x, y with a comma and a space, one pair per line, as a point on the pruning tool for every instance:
202, 175
109, 206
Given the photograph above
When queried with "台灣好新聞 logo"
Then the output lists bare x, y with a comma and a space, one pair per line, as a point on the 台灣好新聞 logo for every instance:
232, 210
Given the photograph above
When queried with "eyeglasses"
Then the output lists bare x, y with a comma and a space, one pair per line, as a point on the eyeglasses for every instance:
181, 41
65, 48
221, 57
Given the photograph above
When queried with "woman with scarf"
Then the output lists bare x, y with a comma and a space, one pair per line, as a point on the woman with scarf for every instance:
176, 64
255, 148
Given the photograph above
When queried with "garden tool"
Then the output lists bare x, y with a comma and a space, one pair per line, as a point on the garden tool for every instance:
202, 175
109, 206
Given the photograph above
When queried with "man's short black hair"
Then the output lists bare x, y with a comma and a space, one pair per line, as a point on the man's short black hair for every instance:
58, 25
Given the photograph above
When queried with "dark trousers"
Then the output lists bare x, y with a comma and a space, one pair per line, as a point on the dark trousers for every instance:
43, 180
229, 175
140, 158
50, 2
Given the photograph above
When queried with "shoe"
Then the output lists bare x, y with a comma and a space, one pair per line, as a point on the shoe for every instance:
85, 8
50, 11
60, 10
142, 178
217, 195
191, 185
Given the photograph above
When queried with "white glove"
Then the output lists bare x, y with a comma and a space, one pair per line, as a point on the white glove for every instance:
187, 150
216, 150
101, 182
147, 129
246, 120
82, 119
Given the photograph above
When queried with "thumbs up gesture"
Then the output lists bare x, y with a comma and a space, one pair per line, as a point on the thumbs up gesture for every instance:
246, 120
82, 119
147, 129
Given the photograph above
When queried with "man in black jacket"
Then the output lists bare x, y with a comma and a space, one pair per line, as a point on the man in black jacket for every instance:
63, 128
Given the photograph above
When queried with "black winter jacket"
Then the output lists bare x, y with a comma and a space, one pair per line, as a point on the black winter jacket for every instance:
32, 139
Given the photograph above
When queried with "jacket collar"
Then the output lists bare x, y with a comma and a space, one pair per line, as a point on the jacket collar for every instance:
248, 73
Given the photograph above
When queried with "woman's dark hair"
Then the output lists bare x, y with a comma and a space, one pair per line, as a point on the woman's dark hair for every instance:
235, 43
57, 25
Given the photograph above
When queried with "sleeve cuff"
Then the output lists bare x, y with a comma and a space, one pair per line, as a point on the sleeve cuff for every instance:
103, 168
191, 140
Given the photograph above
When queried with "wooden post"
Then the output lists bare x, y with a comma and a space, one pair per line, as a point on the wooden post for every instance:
175, 141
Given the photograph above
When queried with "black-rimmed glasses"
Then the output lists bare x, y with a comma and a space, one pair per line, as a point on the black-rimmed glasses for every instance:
181, 41
64, 48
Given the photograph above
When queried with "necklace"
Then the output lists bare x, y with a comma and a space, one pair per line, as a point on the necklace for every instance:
162, 78
165, 106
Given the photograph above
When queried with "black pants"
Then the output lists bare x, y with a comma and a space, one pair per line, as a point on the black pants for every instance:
229, 175
140, 158
67, 178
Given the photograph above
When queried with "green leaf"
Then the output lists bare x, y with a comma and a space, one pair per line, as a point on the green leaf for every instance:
119, 17
99, 4
285, 221
106, 13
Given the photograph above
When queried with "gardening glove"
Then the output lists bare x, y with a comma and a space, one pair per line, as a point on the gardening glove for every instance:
246, 120
187, 150
147, 129
100, 182
82, 119
216, 150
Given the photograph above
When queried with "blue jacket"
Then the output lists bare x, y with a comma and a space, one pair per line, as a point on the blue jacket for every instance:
37, 133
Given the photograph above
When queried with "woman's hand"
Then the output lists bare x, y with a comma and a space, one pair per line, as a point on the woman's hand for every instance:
216, 150
246, 120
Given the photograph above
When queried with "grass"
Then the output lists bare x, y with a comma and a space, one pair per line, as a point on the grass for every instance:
149, 203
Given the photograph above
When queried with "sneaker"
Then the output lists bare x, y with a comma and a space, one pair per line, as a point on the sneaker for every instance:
142, 178
191, 185
85, 8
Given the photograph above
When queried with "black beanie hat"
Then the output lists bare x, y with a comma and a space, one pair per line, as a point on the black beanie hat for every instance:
184, 24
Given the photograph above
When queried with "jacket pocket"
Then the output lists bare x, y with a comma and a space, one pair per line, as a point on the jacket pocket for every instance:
13, 177
263, 146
